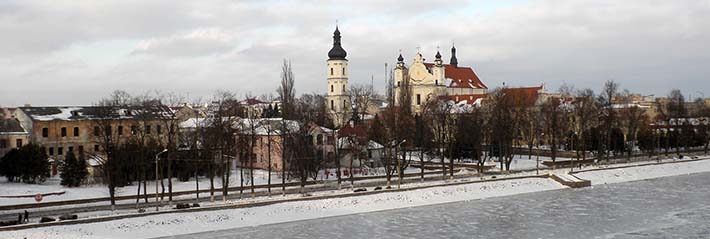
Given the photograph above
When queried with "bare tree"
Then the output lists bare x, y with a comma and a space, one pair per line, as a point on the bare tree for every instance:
107, 113
503, 108
633, 117
440, 117
223, 115
703, 114
678, 114
585, 111
286, 90
606, 102
287, 94
362, 96
423, 136
398, 128
554, 123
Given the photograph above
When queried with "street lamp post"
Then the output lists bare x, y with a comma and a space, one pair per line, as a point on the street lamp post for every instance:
537, 167
399, 167
157, 203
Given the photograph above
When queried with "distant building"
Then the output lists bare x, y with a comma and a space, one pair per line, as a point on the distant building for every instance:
6, 113
430, 81
255, 108
74, 128
268, 136
12, 135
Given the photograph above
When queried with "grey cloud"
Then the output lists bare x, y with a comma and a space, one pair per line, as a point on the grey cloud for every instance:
197, 43
648, 46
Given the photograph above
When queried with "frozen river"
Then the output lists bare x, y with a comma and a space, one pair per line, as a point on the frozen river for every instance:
675, 207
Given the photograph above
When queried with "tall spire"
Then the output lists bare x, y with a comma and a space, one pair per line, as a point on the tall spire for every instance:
454, 62
337, 52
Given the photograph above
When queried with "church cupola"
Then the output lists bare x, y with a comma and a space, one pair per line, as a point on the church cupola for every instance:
337, 52
454, 62
438, 61
400, 61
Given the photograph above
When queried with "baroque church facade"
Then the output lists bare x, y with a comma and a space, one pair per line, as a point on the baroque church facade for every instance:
422, 82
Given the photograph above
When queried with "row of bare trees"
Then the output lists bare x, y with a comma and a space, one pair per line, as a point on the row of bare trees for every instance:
506, 123
606, 125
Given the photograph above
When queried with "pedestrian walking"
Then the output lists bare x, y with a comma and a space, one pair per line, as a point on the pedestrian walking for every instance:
19, 218
27, 216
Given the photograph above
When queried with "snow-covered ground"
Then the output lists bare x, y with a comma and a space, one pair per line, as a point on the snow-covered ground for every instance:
260, 177
182, 223
644, 172
98, 190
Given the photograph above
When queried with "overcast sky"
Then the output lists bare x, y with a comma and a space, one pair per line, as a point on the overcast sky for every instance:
75, 52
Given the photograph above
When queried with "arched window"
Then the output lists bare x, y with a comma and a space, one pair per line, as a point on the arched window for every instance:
343, 70
332, 105
344, 104
436, 82
331, 88
343, 88
331, 71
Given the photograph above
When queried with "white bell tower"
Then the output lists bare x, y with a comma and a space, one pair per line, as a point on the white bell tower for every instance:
338, 99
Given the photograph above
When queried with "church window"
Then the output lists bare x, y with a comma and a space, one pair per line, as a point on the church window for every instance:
397, 83
331, 71
344, 104
419, 99
331, 88
436, 82
332, 105
343, 88
343, 70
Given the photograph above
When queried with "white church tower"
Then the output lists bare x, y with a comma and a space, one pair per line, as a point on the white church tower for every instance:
338, 99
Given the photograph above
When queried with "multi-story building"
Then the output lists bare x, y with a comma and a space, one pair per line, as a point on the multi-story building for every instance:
424, 82
268, 135
12, 135
60, 130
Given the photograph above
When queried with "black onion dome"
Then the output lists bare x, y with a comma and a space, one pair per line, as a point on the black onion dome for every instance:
438, 55
337, 52
400, 58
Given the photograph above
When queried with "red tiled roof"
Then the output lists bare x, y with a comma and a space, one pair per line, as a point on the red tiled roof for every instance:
358, 130
528, 95
470, 99
253, 101
462, 77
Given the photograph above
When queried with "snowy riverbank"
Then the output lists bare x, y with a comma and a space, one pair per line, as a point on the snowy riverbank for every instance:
644, 172
183, 223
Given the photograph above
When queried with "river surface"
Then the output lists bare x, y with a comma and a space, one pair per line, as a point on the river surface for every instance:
673, 207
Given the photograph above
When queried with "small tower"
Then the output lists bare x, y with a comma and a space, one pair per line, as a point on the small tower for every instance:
337, 99
399, 77
438, 70
454, 62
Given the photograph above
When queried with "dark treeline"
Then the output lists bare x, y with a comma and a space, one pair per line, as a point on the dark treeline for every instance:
220, 138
